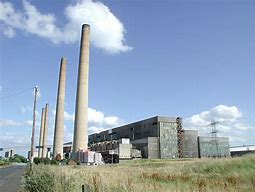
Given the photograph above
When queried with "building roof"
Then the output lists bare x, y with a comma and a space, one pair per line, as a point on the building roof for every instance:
242, 148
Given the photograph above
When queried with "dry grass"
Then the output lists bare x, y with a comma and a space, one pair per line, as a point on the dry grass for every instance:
237, 174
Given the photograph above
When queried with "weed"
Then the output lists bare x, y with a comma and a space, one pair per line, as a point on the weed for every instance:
230, 174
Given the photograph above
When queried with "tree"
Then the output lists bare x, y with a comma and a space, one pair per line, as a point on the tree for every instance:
18, 158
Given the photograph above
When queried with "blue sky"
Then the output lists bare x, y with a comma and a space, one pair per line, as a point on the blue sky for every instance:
193, 59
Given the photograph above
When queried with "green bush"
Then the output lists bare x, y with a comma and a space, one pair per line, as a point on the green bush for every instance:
14, 159
46, 161
45, 179
22, 158
53, 162
37, 160
18, 158
40, 180
4, 162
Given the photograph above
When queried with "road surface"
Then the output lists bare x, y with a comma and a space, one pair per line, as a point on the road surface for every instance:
10, 178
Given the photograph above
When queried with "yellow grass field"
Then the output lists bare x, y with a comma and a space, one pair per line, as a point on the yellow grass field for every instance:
230, 174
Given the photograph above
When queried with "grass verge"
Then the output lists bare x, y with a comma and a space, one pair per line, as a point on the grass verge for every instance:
229, 174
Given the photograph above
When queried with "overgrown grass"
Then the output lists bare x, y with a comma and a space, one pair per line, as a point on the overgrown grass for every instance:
230, 174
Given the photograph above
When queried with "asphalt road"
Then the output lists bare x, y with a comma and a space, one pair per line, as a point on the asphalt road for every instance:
10, 178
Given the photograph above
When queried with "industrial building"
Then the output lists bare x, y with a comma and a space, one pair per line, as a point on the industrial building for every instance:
242, 150
154, 138
211, 147
8, 154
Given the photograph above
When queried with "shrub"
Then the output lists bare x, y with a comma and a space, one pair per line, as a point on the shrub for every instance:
22, 158
40, 180
53, 162
46, 179
14, 159
37, 160
4, 162
46, 161
237, 174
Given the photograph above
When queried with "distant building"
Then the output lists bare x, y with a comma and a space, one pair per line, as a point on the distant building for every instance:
242, 150
10, 153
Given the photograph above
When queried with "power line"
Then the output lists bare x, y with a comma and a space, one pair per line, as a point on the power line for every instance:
15, 94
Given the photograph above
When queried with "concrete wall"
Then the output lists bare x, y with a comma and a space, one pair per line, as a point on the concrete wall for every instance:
153, 148
149, 147
141, 144
208, 147
124, 151
133, 131
190, 144
168, 140
156, 137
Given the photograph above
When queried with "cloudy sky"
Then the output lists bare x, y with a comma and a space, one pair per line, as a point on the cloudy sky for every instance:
193, 59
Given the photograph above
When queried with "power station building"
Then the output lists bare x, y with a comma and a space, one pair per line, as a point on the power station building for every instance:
157, 137
154, 138
209, 147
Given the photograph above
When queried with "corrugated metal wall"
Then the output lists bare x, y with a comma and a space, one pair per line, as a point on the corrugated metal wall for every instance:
168, 140
190, 144
209, 147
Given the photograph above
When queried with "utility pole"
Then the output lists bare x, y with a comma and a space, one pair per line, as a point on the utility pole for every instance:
33, 128
112, 150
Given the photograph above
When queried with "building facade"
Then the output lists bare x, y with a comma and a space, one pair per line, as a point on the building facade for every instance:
210, 147
190, 148
156, 137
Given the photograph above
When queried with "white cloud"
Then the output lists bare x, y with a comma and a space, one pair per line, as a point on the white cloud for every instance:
29, 122
97, 120
13, 139
8, 32
220, 113
68, 117
229, 120
95, 117
107, 31
25, 109
9, 123
5, 123
94, 129
112, 121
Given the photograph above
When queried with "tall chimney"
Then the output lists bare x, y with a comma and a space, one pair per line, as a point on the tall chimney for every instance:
80, 139
45, 131
59, 118
41, 134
